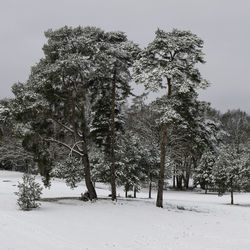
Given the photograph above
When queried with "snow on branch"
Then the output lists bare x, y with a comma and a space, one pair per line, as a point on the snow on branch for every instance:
65, 145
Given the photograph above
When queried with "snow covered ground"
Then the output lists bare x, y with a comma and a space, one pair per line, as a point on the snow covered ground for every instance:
189, 221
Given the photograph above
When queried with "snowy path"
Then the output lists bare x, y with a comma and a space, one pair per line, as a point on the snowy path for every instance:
189, 221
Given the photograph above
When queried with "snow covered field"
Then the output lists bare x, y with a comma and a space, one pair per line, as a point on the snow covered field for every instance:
189, 221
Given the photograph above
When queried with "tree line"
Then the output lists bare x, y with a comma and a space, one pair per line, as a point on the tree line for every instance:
72, 118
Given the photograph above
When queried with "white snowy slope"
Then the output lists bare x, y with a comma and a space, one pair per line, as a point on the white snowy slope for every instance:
189, 221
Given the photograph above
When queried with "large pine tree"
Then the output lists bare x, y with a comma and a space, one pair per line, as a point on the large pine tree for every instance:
56, 94
109, 90
170, 62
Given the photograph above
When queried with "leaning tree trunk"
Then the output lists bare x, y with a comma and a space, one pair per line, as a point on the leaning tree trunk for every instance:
112, 144
187, 181
159, 201
89, 184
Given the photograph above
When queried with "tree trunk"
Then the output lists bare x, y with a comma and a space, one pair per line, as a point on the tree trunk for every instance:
179, 182
232, 191
184, 180
150, 189
126, 191
112, 144
174, 178
89, 184
134, 191
85, 159
159, 201
206, 188
187, 181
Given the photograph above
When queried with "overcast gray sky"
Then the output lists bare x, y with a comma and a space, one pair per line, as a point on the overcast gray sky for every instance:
222, 24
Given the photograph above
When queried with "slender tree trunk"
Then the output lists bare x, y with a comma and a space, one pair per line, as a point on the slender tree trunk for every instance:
232, 191
159, 201
187, 181
179, 182
134, 191
174, 178
184, 180
126, 191
232, 197
112, 144
206, 187
150, 189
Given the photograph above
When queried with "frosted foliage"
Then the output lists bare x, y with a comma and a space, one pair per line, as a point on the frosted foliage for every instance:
232, 169
100, 166
169, 62
13, 155
172, 55
28, 100
71, 170
169, 115
184, 87
130, 153
204, 171
3, 110
166, 108
22, 129
28, 193
4, 113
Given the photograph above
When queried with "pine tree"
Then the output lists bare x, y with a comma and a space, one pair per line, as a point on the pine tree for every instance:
232, 170
203, 174
12, 155
56, 93
29, 193
69, 169
109, 90
130, 173
170, 60
141, 122
236, 123
190, 136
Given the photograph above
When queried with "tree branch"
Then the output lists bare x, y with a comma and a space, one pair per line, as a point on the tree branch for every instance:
63, 144
62, 125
